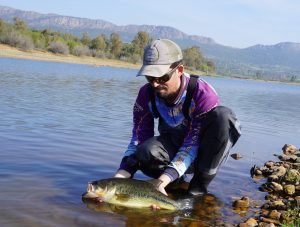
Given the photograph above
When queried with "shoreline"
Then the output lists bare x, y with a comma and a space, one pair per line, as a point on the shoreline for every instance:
7, 51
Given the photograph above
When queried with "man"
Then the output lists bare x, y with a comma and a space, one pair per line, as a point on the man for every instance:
194, 130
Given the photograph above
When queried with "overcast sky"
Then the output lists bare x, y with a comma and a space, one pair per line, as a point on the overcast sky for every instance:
237, 23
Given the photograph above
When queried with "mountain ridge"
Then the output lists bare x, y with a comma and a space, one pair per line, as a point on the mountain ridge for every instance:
278, 60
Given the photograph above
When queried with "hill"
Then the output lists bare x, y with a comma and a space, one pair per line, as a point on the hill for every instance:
280, 61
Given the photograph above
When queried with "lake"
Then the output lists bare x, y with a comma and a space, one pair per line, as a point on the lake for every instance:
63, 125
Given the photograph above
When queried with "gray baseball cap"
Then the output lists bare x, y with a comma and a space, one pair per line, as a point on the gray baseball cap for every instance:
159, 55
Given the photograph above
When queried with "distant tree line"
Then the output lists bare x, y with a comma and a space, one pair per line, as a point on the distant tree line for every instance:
21, 36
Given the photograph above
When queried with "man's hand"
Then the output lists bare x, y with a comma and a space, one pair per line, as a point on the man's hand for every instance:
122, 174
165, 180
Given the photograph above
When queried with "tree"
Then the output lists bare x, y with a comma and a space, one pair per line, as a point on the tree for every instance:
99, 43
86, 40
115, 45
20, 24
192, 57
139, 42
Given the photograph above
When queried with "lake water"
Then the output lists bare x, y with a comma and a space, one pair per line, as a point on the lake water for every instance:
63, 125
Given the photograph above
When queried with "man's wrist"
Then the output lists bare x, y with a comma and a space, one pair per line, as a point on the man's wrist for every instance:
165, 180
121, 173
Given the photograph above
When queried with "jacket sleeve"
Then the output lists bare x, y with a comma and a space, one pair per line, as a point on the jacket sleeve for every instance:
204, 100
143, 127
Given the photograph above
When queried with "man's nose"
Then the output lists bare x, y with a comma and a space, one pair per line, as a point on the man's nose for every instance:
155, 84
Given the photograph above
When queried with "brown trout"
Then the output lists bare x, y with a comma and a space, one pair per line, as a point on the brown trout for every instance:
129, 193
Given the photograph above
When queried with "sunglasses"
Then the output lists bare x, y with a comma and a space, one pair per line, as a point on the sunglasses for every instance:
163, 79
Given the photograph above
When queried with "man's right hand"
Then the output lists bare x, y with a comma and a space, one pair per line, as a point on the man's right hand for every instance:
122, 174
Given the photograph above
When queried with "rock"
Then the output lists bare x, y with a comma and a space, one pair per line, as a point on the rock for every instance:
258, 172
279, 171
274, 214
269, 220
236, 156
264, 224
269, 164
251, 222
275, 186
283, 157
244, 202
278, 205
273, 177
292, 176
289, 149
297, 199
271, 197
289, 189
293, 158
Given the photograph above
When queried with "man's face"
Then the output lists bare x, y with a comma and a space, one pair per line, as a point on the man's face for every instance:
169, 89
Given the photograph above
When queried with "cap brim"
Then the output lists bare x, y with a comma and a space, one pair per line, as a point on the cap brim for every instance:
153, 70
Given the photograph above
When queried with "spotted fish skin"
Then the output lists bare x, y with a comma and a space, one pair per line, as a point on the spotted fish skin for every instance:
129, 193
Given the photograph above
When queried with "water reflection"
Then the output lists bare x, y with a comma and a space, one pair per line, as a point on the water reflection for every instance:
63, 125
206, 211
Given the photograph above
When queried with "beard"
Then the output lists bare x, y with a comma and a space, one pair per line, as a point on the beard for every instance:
162, 92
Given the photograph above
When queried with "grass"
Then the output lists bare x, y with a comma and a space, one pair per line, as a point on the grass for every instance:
11, 52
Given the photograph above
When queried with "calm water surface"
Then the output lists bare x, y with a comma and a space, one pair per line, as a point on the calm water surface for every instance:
63, 125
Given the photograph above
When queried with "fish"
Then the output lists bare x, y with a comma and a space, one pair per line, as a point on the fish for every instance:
129, 193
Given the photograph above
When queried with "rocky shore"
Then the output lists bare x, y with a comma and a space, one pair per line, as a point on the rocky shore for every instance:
281, 182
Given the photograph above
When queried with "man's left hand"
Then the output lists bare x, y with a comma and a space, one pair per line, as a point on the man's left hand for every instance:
165, 180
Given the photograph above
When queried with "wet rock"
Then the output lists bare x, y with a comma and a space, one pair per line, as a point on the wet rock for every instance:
292, 176
264, 224
280, 171
289, 149
271, 197
283, 157
236, 156
289, 158
273, 177
289, 189
269, 164
276, 187
258, 172
297, 199
273, 214
243, 225
265, 188
269, 220
244, 202
251, 222
275, 205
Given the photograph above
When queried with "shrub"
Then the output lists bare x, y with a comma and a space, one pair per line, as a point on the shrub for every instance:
16, 39
58, 47
81, 51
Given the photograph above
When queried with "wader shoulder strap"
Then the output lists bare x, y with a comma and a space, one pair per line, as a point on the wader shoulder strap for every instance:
187, 102
153, 104
189, 95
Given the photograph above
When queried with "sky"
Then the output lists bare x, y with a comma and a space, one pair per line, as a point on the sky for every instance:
236, 23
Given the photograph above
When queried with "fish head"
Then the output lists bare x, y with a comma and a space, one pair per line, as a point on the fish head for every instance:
98, 190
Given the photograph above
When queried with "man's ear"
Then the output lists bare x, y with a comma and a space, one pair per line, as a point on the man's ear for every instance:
181, 69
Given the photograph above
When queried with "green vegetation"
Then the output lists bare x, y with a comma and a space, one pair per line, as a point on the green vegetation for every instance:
21, 36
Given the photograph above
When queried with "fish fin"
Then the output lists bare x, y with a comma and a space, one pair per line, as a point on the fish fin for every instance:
122, 197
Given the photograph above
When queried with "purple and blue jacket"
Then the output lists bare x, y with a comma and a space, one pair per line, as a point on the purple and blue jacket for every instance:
204, 99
